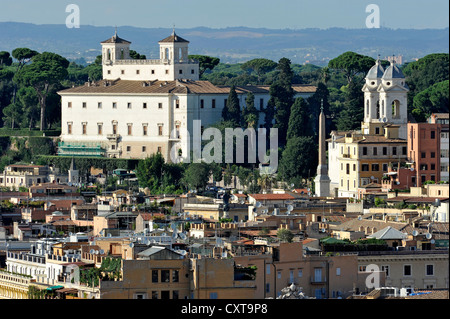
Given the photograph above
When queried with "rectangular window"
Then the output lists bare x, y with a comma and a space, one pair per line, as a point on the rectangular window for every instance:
129, 105
364, 150
180, 72
84, 105
144, 105
159, 149
155, 294
144, 149
144, 130
84, 128
192, 71
153, 71
165, 275
202, 103
69, 104
99, 105
130, 129
375, 167
365, 167
267, 287
122, 71
432, 167
128, 149
338, 271
375, 151
100, 129
69, 128
354, 167
407, 270
268, 269
114, 105
167, 71
404, 150
300, 273
213, 103
433, 155
154, 276
347, 166
384, 150
175, 275
433, 135
261, 104
386, 270
114, 127
175, 294
385, 167
213, 295
137, 71
430, 270
177, 104
160, 130
160, 105
394, 150
423, 155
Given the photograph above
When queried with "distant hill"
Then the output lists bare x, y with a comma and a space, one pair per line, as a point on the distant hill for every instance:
231, 45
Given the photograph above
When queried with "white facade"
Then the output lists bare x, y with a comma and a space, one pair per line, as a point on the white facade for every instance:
130, 115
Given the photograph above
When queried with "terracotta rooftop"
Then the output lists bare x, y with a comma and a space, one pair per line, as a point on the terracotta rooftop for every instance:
164, 87
174, 38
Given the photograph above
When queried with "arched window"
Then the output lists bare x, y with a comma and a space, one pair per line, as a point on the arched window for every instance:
395, 109
109, 54
166, 53
122, 54
378, 109
367, 108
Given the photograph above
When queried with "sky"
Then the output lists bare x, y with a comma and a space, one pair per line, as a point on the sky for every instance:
271, 14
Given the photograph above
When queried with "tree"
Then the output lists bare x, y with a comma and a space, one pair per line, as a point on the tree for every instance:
149, 172
205, 62
137, 56
250, 114
434, 99
43, 74
315, 102
285, 235
232, 110
5, 58
298, 119
196, 176
352, 112
299, 159
351, 64
282, 96
259, 66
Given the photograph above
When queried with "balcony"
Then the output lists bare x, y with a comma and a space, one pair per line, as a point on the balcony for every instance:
113, 137
318, 281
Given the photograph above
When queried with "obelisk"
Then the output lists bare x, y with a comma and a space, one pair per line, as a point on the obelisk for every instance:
322, 181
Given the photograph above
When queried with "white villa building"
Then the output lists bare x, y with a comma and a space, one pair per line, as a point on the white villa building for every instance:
141, 107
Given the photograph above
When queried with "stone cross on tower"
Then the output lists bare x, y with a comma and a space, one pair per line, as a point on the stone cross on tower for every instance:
322, 181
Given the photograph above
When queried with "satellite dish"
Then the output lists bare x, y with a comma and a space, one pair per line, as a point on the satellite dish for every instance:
131, 245
258, 205
428, 236
372, 177
109, 235
290, 208
415, 233
70, 234
359, 218
183, 236
97, 252
102, 251
412, 169
92, 251
432, 241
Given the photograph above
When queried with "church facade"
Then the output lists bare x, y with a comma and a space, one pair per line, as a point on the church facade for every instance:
141, 107
361, 157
